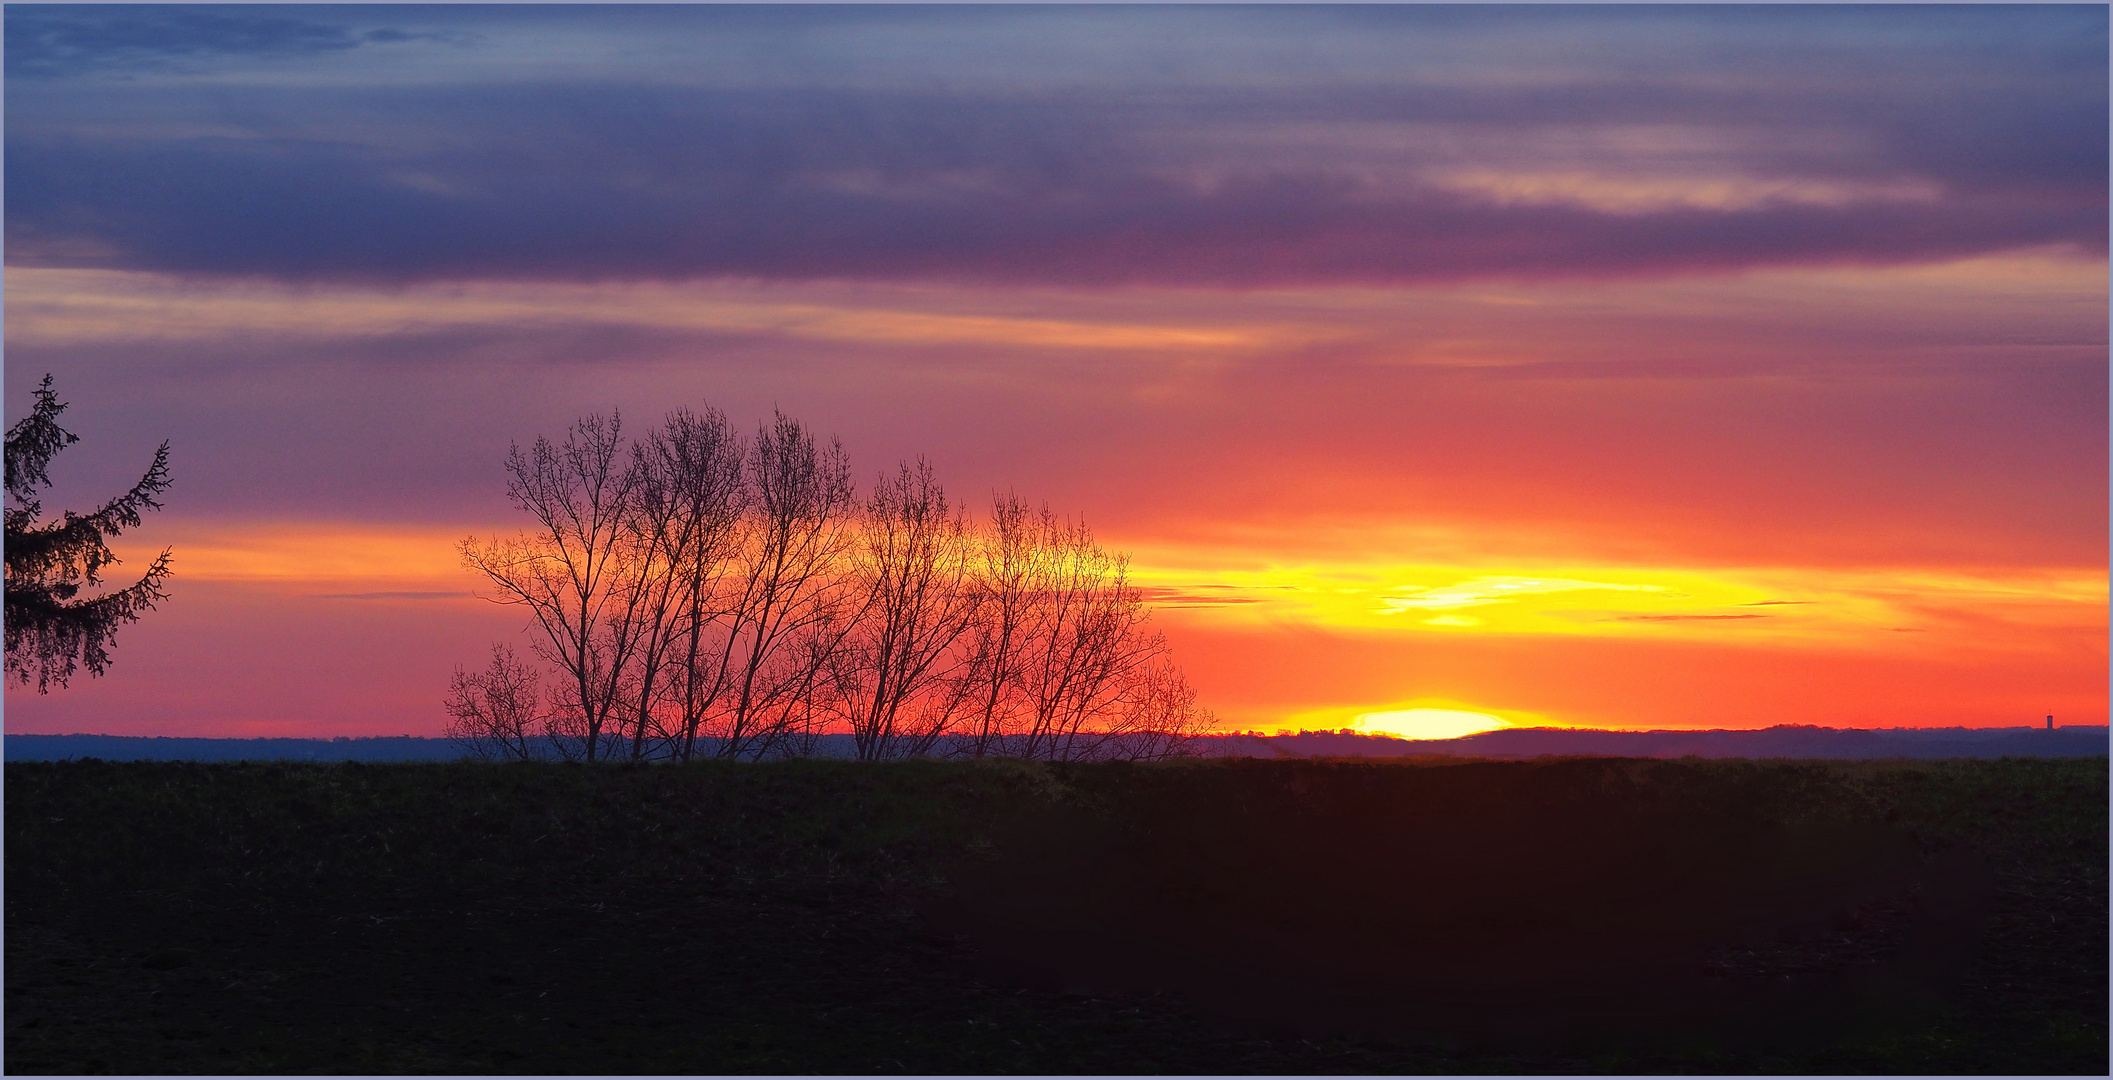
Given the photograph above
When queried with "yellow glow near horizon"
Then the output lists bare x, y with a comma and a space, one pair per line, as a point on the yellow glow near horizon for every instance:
1891, 609
1427, 723
1498, 640
1761, 606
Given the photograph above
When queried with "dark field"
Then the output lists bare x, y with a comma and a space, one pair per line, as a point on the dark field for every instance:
1570, 915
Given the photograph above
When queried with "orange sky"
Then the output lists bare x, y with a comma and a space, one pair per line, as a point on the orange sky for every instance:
1551, 388
1328, 531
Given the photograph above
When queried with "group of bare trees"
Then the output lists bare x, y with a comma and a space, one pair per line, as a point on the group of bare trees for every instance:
698, 593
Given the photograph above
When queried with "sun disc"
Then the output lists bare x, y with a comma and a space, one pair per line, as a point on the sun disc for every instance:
1428, 723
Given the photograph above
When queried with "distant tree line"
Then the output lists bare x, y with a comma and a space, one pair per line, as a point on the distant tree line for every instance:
700, 593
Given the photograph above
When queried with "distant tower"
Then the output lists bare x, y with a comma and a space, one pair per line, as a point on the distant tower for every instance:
2050, 723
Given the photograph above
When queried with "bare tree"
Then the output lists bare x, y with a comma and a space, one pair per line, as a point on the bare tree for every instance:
1059, 662
912, 571
695, 463
683, 521
1088, 644
498, 712
1159, 718
787, 611
571, 573
989, 680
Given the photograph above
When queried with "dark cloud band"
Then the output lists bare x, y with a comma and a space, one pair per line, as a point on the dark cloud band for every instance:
1944, 152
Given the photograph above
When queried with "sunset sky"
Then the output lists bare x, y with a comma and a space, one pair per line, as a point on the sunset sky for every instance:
1646, 367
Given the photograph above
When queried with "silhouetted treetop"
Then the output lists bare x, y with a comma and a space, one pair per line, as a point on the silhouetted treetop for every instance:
51, 629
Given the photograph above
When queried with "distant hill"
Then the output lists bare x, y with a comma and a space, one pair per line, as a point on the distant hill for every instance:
1784, 741
162, 748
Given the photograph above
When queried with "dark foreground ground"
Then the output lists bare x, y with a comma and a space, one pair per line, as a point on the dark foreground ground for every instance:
1236, 916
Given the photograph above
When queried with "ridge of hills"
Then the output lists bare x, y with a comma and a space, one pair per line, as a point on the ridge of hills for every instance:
1781, 741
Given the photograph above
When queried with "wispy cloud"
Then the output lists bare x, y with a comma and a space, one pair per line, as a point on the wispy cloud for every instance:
1208, 596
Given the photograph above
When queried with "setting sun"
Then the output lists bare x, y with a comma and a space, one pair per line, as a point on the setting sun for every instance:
1427, 723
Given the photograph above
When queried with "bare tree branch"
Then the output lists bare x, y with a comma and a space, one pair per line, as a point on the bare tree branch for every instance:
571, 572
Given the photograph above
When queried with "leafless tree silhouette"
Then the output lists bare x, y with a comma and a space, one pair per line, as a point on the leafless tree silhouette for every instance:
682, 528
990, 680
498, 712
912, 570
789, 612
695, 464
1088, 645
1159, 718
575, 572
705, 594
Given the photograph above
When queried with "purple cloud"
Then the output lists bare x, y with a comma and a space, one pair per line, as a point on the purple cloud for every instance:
1955, 136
